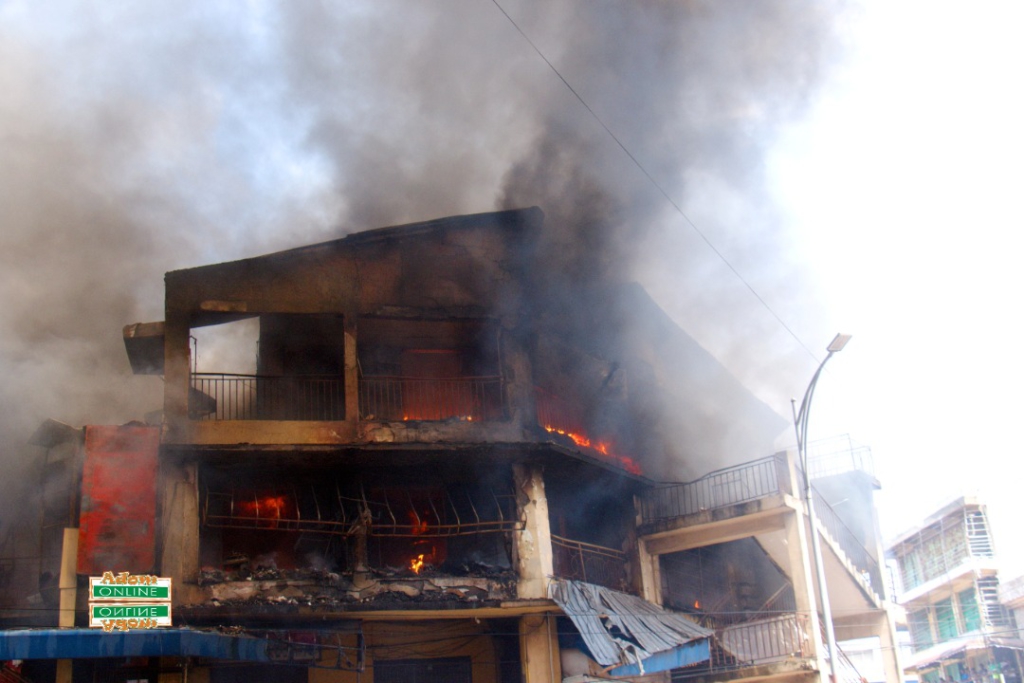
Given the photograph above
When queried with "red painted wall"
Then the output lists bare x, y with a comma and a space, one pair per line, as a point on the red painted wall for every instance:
117, 526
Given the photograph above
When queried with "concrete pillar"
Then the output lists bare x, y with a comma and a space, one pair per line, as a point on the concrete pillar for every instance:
68, 578
538, 647
179, 557
534, 559
799, 549
891, 656
650, 574
68, 586
177, 371
351, 368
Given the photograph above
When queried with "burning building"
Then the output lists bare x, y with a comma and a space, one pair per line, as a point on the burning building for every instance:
395, 456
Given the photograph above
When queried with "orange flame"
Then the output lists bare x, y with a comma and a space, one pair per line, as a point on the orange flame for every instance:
268, 509
416, 564
627, 463
419, 523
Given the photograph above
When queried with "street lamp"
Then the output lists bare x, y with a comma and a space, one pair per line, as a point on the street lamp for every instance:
800, 423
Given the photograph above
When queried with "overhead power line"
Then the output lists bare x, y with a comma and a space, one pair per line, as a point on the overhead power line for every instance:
656, 184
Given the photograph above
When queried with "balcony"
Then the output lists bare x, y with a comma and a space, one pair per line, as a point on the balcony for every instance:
590, 563
410, 398
778, 643
778, 639
839, 455
720, 489
224, 396
733, 494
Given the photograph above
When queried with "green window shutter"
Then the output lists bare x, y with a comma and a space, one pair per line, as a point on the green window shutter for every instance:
945, 619
968, 600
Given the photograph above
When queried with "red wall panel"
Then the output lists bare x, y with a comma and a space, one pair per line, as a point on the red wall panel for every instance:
117, 525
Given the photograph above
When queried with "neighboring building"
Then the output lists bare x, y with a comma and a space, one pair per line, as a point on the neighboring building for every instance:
1011, 594
950, 589
868, 658
431, 470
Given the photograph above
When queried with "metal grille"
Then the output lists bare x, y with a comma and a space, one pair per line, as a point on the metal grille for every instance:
995, 613
978, 538
328, 511
934, 551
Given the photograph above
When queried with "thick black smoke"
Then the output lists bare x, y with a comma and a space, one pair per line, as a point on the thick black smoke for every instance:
138, 139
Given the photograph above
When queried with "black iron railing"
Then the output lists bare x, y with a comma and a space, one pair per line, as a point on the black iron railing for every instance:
224, 396
410, 398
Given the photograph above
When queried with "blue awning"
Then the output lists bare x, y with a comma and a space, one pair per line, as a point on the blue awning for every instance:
79, 643
627, 632
694, 652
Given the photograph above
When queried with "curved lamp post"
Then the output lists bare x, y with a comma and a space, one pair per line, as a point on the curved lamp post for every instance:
800, 423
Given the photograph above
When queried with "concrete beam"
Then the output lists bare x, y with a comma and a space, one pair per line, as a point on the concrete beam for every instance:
720, 531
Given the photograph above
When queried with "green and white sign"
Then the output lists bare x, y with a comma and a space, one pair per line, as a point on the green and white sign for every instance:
122, 617
99, 591
123, 601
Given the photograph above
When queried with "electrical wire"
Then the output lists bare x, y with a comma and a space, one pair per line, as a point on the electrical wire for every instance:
661, 190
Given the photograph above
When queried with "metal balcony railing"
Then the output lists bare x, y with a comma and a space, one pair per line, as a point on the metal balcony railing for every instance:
776, 638
729, 486
846, 672
747, 482
410, 398
838, 455
224, 396
767, 640
588, 562
554, 412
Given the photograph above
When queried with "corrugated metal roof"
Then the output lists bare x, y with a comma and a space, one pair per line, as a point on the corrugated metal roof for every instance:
619, 628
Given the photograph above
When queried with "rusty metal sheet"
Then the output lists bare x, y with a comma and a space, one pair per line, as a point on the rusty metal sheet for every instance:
117, 528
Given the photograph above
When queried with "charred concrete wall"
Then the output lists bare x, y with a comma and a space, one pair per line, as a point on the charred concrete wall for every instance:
456, 270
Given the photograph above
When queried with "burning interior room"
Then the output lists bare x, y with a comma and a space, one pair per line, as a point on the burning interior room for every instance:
380, 519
